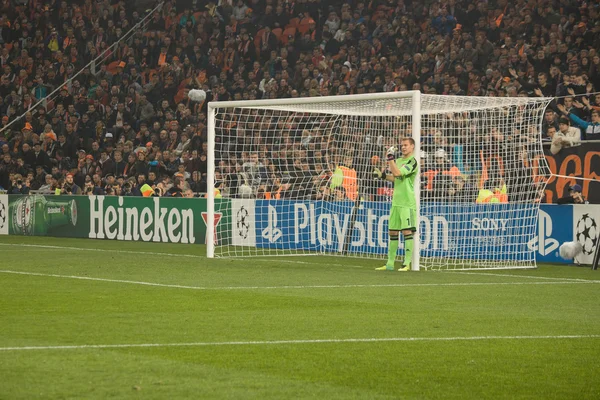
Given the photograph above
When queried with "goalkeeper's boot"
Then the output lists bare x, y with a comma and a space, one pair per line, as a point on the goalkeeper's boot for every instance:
384, 268
404, 268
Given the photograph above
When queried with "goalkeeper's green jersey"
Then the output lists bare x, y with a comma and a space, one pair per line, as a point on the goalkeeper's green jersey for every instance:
404, 186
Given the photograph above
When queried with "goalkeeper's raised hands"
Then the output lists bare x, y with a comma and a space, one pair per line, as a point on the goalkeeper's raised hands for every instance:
391, 153
377, 174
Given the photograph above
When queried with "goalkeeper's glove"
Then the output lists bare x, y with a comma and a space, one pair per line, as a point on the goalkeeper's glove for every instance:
377, 174
391, 153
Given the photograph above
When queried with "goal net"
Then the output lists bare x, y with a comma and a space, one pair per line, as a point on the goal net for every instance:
295, 177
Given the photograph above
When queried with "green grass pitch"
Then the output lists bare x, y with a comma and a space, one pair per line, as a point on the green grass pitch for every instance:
82, 319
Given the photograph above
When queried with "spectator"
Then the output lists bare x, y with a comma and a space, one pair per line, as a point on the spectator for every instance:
440, 177
70, 187
557, 140
198, 183
47, 187
98, 185
591, 129
182, 144
255, 171
177, 189
19, 185
574, 196
138, 183
571, 135
107, 165
67, 149
550, 120
39, 179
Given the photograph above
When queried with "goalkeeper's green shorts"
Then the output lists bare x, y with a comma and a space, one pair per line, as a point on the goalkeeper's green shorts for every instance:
402, 218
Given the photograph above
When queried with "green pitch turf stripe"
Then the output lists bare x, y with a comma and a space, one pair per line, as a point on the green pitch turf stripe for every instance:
101, 250
391, 285
149, 253
300, 341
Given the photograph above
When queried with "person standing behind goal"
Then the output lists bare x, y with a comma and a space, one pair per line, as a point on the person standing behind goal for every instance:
403, 214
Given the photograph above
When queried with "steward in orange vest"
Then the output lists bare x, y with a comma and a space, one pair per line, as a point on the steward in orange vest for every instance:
346, 177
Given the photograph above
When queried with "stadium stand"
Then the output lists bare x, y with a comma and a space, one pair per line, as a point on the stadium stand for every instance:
128, 122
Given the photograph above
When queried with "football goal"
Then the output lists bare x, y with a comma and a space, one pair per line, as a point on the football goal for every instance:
294, 177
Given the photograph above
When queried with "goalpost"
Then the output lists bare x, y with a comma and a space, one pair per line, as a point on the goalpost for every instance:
293, 177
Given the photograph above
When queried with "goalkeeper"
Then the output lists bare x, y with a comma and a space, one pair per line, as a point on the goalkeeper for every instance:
403, 212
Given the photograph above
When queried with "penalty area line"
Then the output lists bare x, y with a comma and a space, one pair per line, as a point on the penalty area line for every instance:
299, 341
284, 287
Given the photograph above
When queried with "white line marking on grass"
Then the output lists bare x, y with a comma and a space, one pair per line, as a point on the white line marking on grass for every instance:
522, 276
300, 341
391, 285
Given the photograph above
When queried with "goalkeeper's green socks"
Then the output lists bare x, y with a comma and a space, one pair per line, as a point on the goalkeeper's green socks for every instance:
392, 250
408, 249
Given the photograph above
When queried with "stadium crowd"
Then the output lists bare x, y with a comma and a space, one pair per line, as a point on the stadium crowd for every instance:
124, 125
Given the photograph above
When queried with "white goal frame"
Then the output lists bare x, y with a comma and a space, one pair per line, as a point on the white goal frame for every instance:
415, 95
521, 115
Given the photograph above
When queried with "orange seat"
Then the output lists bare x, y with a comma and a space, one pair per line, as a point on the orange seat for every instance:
277, 32
303, 29
294, 22
184, 83
305, 24
257, 40
180, 96
288, 31
306, 21
112, 67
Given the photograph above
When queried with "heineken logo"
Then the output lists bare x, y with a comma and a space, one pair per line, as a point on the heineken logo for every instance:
37, 215
149, 224
23, 216
216, 220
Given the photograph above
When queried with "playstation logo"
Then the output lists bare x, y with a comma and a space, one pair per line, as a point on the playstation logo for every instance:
271, 232
543, 243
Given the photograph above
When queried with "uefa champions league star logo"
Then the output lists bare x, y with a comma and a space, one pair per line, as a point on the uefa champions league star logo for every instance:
586, 233
3, 215
243, 227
